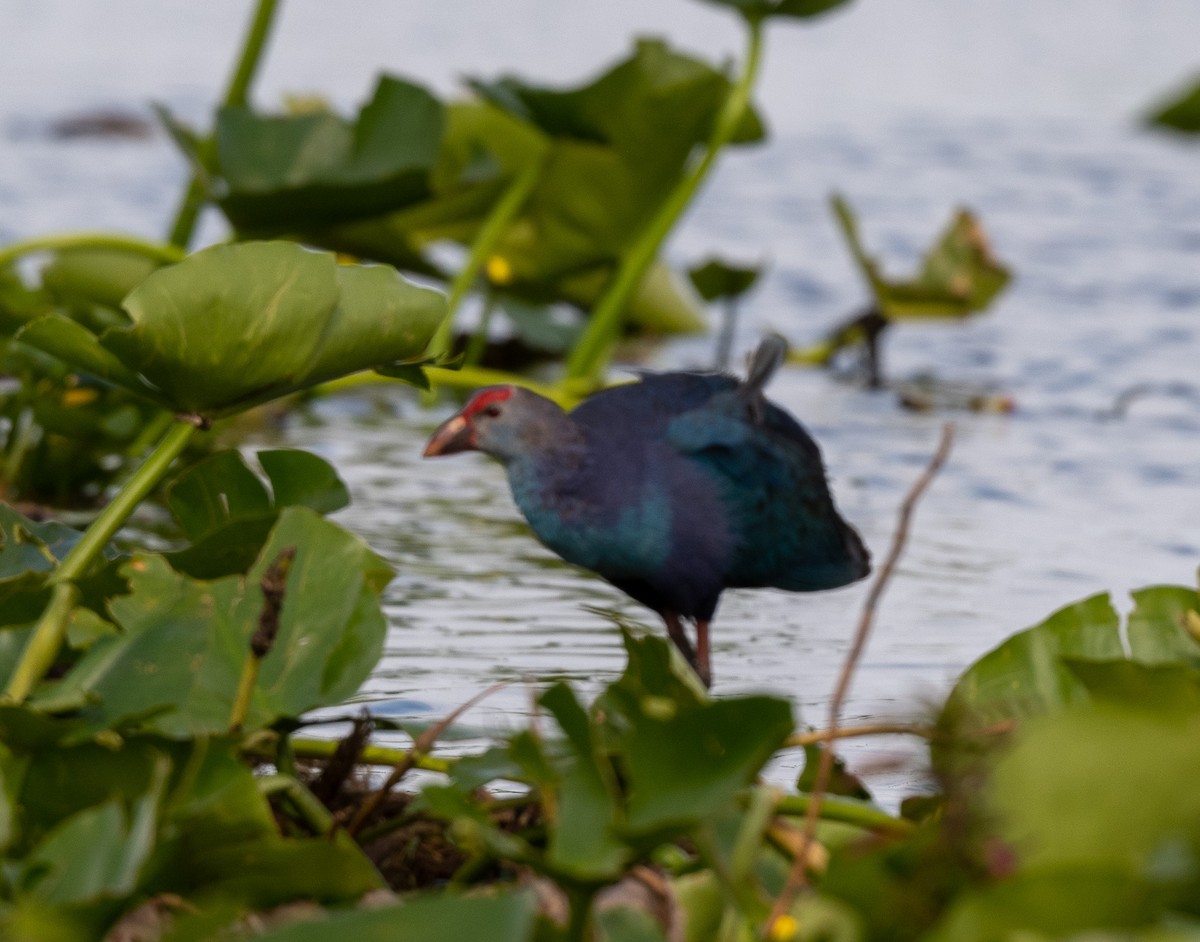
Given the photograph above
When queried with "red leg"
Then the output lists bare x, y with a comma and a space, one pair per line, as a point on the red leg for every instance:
703, 664
677, 634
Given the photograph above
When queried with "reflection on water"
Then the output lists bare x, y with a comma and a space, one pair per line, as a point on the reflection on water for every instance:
1100, 222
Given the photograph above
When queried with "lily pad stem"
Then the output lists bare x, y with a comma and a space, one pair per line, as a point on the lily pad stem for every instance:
580, 924
155, 251
236, 94
503, 213
604, 324
43, 646
371, 755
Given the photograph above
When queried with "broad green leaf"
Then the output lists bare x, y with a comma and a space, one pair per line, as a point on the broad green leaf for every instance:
31, 546
270, 871
225, 510
616, 147
98, 852
1026, 675
96, 276
1103, 785
236, 325
185, 641
625, 924
302, 479
19, 303
1050, 666
289, 173
501, 917
214, 491
479, 769
1181, 112
1170, 687
23, 729
610, 150
685, 766
76, 773
1156, 626
229, 550
793, 9
583, 842
74, 344
1050, 903
652, 676
29, 552
717, 278
958, 275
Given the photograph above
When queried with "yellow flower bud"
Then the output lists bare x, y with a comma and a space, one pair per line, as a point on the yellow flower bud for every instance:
79, 396
499, 270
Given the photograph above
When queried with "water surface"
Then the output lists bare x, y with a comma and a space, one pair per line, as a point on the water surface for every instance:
1025, 111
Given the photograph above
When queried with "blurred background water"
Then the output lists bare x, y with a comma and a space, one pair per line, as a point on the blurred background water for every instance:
1027, 112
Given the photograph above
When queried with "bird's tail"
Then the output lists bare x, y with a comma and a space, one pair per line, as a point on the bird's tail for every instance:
763, 363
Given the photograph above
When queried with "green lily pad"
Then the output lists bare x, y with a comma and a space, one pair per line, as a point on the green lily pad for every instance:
99, 852
1027, 676
501, 917
236, 325
1135, 765
1156, 625
215, 491
286, 173
958, 276
29, 552
685, 767
73, 343
716, 278
1051, 665
792, 9
1181, 112
220, 489
186, 640
1052, 903
96, 276
616, 146
583, 843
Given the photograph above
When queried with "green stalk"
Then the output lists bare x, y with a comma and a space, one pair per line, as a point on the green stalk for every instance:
245, 693
312, 813
604, 325
237, 93
155, 251
371, 755
848, 812
503, 213
579, 918
43, 646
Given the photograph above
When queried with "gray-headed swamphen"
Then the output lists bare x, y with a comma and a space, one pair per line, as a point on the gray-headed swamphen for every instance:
673, 488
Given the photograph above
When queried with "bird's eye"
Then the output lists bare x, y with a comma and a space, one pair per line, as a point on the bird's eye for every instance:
492, 411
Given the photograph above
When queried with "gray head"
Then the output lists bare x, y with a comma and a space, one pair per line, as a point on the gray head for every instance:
506, 422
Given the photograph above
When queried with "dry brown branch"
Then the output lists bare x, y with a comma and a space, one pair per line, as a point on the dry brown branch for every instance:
797, 878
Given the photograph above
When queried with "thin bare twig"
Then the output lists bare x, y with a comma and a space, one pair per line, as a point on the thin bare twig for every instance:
797, 878
817, 736
421, 745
